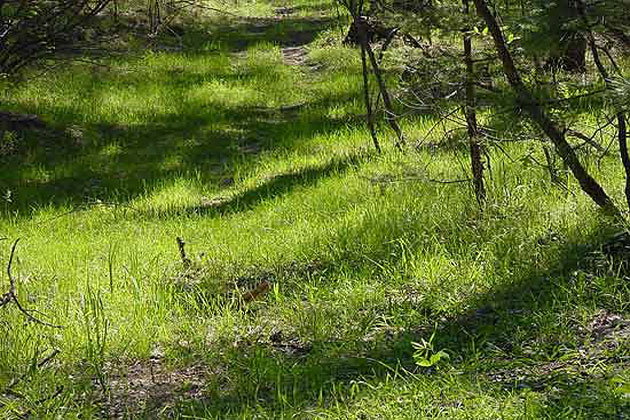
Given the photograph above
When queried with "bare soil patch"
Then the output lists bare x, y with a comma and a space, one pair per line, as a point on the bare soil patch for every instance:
148, 388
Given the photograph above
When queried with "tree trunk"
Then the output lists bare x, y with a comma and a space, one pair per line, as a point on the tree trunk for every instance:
621, 119
476, 148
390, 116
368, 102
622, 136
526, 100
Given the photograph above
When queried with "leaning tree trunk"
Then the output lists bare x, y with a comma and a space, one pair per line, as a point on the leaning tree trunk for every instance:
390, 115
476, 148
368, 101
527, 101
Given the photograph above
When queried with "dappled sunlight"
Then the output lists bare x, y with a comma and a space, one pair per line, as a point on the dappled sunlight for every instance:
177, 193
224, 93
207, 218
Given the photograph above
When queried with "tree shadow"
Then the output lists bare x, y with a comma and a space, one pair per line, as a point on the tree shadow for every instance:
273, 187
502, 329
132, 169
228, 32
286, 32
114, 162
77, 158
236, 34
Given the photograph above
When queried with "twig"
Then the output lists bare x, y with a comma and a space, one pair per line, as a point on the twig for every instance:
418, 178
51, 397
388, 41
390, 116
11, 295
88, 206
182, 252
42, 363
434, 127
29, 412
570, 98
587, 140
368, 101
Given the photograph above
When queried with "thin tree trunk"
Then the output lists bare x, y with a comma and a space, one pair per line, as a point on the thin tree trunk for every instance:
622, 135
476, 148
368, 103
526, 100
390, 116
623, 149
621, 119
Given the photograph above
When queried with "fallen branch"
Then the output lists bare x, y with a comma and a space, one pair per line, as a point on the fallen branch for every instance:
182, 253
415, 179
11, 295
40, 364
14, 121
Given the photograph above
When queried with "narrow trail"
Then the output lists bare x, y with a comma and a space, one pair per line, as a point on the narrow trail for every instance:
293, 42
150, 386
295, 56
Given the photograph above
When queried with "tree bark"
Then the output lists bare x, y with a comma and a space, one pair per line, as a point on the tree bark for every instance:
476, 148
526, 100
390, 116
368, 103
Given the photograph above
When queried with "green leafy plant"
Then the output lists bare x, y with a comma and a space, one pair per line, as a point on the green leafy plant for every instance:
426, 355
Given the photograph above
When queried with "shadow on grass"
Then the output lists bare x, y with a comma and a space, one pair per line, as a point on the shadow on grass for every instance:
273, 187
133, 159
130, 160
77, 159
236, 34
287, 32
209, 141
510, 329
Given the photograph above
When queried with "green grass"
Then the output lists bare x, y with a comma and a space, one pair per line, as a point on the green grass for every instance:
265, 169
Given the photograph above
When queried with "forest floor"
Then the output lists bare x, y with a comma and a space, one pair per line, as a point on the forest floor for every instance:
312, 264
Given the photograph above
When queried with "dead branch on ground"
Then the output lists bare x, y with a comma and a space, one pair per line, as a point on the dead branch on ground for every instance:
182, 253
11, 295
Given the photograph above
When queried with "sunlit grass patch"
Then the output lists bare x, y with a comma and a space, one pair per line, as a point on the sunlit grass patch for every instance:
311, 263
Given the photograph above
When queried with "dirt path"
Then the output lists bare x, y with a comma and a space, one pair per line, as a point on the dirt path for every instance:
295, 56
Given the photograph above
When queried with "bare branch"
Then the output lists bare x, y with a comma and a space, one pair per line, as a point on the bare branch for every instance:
11, 295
